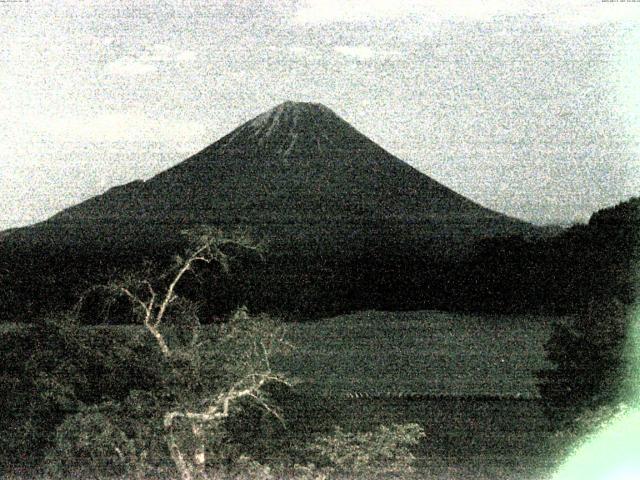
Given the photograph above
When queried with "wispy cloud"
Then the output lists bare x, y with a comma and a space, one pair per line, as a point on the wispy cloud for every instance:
353, 52
315, 11
129, 66
363, 52
587, 13
302, 51
185, 56
567, 13
325, 11
148, 61
128, 126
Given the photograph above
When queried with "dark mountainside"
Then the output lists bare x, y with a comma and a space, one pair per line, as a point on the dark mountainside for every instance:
347, 224
297, 164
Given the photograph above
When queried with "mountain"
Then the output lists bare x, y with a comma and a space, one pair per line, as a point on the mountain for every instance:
298, 163
298, 176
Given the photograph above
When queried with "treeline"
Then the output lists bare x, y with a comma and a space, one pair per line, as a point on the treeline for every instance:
554, 274
562, 274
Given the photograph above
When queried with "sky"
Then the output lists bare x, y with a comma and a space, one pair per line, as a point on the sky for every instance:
531, 108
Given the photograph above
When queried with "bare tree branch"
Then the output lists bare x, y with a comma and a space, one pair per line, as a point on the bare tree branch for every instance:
220, 409
170, 295
256, 345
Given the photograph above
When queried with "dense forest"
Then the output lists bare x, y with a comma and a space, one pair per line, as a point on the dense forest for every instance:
586, 263
558, 274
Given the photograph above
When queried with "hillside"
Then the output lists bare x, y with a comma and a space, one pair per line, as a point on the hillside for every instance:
297, 162
340, 214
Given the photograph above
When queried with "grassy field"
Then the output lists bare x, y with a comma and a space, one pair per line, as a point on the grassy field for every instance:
456, 356
453, 356
431, 353
425, 352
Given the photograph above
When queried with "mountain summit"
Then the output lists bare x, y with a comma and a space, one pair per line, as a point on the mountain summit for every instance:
294, 128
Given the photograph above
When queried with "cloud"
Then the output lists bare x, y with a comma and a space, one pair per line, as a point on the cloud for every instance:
567, 13
581, 14
355, 52
185, 56
303, 51
314, 11
129, 66
116, 127
306, 53
325, 11
362, 52
148, 61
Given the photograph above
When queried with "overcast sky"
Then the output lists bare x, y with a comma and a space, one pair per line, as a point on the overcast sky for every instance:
530, 108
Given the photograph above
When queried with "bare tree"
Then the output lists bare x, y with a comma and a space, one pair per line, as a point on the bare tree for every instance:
254, 344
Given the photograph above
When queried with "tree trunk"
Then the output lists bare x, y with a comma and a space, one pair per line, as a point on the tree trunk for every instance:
199, 456
184, 469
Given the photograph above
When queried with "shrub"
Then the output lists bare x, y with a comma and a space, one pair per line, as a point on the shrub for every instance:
385, 451
588, 355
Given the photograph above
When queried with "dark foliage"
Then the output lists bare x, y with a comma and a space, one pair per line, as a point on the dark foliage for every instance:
55, 368
589, 364
562, 274
588, 353
391, 270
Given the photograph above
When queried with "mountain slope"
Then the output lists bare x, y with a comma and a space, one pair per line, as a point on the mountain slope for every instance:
297, 163
348, 224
